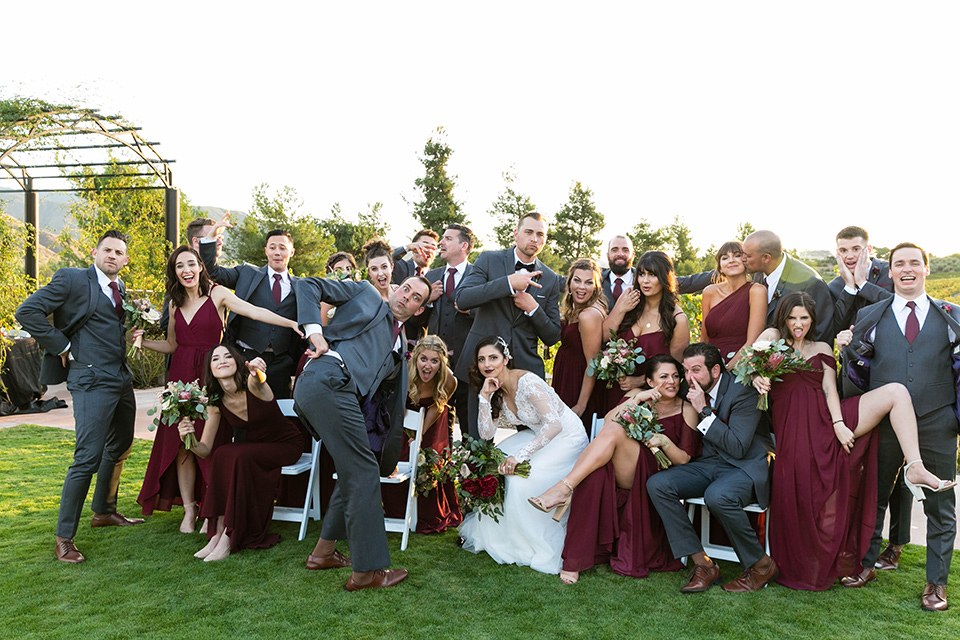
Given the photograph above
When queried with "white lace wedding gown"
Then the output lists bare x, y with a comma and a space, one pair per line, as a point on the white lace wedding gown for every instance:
556, 437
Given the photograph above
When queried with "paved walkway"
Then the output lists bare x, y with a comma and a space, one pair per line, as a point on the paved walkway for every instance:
63, 419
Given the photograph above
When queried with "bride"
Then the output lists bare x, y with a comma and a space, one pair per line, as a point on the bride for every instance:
524, 535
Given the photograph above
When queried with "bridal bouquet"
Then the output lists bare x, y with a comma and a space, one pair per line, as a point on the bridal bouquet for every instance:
180, 400
480, 485
640, 423
140, 314
619, 358
770, 360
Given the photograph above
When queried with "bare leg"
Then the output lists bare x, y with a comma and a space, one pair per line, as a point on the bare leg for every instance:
222, 550
187, 479
894, 399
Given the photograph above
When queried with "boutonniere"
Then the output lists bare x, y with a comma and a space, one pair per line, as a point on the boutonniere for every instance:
875, 272
776, 296
946, 307
407, 355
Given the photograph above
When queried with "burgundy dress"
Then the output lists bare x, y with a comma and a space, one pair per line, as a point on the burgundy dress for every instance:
824, 500
621, 526
653, 344
726, 324
569, 368
194, 340
244, 474
439, 509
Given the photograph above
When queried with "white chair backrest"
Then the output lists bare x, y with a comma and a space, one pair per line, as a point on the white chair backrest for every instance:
595, 425
286, 408
413, 420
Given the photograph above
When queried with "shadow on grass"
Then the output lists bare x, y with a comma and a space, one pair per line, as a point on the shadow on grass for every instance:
144, 582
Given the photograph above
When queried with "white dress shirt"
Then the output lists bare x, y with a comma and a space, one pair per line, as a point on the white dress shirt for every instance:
773, 279
704, 425
627, 280
901, 312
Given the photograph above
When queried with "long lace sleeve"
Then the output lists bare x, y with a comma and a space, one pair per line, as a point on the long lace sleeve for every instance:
538, 396
485, 423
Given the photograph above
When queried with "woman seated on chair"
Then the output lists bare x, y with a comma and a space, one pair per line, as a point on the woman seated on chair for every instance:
431, 385
244, 473
611, 517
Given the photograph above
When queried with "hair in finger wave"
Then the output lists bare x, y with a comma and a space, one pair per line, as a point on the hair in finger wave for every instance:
476, 378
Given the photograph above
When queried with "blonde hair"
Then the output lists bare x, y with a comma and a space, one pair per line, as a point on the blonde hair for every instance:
440, 393
569, 311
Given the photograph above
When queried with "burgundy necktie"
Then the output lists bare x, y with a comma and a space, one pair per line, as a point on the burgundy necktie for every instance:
276, 288
419, 271
396, 332
912, 329
448, 288
618, 288
117, 299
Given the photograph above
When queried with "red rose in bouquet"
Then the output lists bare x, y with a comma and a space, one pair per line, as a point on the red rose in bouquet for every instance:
488, 486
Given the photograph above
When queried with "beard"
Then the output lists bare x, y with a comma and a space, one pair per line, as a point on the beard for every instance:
619, 268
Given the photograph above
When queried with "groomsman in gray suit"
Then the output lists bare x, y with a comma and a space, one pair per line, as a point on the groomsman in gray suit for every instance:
271, 287
732, 471
516, 297
912, 338
781, 273
422, 248
351, 358
86, 347
443, 317
864, 280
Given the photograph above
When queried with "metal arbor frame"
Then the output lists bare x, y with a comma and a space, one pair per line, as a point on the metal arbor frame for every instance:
31, 148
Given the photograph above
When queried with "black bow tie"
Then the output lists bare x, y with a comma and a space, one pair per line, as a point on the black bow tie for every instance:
528, 267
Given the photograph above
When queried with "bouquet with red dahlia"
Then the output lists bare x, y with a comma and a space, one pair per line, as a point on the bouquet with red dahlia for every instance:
480, 485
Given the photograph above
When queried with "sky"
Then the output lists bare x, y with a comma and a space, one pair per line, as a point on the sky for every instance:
797, 117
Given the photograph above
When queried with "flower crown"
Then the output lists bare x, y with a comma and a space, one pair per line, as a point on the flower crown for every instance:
506, 349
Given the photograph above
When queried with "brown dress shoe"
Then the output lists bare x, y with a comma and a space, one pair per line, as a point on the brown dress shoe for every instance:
381, 578
753, 579
934, 597
67, 552
702, 578
114, 519
860, 579
889, 558
334, 561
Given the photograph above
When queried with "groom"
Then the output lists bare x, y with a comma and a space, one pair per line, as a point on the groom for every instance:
85, 346
360, 350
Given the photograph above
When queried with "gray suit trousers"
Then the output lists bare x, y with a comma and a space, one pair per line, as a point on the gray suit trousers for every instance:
938, 450
326, 396
104, 410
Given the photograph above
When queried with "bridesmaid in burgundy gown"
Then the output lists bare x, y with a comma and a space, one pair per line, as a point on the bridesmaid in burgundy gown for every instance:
243, 474
582, 313
611, 517
824, 485
197, 310
431, 385
734, 310
649, 313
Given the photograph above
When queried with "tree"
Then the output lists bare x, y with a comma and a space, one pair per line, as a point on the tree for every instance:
507, 209
437, 207
16, 285
350, 236
280, 211
575, 233
647, 238
684, 253
743, 230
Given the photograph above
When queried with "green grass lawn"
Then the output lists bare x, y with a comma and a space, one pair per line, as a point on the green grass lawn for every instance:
144, 582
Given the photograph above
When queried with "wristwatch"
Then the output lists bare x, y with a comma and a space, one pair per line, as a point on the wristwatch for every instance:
706, 412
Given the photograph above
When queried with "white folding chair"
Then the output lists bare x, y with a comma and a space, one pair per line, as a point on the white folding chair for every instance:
308, 462
407, 470
722, 552
595, 425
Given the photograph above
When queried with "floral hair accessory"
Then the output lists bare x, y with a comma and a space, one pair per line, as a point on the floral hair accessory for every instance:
506, 349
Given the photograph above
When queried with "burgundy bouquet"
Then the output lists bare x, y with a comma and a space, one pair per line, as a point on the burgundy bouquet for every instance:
480, 486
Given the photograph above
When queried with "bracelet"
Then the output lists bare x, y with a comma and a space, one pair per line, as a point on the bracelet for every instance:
836, 421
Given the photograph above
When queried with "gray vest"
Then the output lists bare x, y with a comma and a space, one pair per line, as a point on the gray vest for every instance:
923, 367
100, 341
260, 335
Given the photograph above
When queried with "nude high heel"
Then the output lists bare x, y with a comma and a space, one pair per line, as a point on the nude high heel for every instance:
917, 489
558, 509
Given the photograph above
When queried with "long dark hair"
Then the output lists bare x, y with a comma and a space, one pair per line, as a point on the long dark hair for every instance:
475, 378
214, 390
659, 264
787, 304
175, 290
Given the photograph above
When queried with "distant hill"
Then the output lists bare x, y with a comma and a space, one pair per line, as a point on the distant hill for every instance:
54, 208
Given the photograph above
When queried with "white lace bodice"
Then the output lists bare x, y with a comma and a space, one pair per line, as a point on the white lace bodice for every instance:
539, 408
